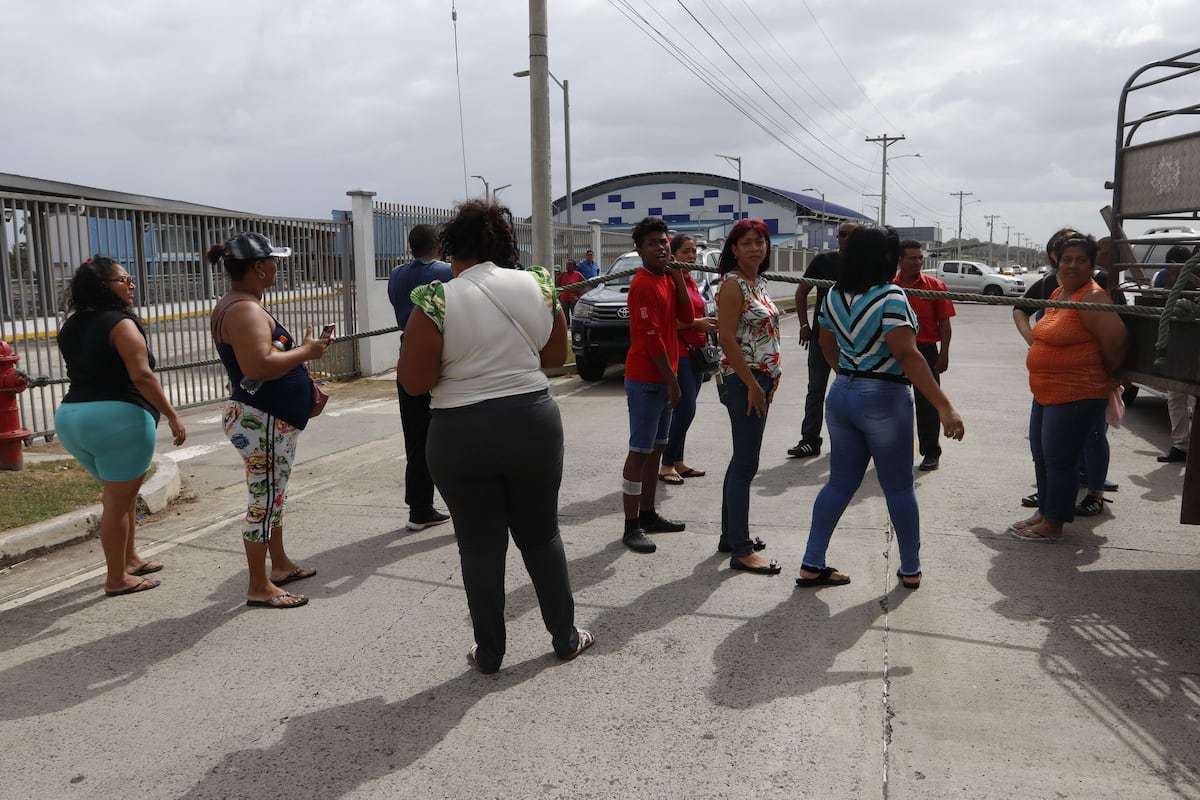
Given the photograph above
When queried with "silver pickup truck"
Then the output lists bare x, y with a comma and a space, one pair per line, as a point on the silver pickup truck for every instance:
978, 278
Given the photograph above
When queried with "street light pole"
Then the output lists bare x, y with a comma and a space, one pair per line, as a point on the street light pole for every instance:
487, 193
496, 192
565, 85
738, 161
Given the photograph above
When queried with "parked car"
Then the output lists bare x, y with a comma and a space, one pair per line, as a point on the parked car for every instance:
600, 325
978, 278
1150, 248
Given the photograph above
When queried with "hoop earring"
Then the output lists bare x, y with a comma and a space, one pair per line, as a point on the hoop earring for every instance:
260, 274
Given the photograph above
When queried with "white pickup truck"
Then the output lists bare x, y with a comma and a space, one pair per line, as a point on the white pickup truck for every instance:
977, 278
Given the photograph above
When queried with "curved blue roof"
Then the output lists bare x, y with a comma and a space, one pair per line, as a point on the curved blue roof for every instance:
806, 204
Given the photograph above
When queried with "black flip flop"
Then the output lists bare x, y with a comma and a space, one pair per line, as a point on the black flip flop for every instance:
904, 580
144, 585
274, 602
147, 567
824, 578
298, 574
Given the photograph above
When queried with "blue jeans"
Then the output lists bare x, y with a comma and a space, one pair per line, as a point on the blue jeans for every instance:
1096, 457
1057, 437
747, 430
868, 418
685, 412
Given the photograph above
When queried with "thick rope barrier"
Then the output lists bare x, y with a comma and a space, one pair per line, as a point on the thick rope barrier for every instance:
1178, 307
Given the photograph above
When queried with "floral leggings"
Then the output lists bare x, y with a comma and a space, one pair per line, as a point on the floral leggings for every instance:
267, 445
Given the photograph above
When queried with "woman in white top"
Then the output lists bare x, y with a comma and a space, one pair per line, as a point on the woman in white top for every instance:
478, 344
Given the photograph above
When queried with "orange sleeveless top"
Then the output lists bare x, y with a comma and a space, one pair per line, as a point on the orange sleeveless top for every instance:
1064, 362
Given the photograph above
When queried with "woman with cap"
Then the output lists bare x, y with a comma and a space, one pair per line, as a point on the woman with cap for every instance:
107, 418
477, 344
270, 404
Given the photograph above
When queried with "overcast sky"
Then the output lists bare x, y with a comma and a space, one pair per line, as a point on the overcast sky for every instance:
281, 107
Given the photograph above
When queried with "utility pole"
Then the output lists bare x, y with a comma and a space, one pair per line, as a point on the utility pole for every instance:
539, 133
1007, 230
960, 196
885, 140
991, 218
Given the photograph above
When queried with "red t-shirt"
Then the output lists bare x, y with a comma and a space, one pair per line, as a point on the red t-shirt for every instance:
652, 328
929, 311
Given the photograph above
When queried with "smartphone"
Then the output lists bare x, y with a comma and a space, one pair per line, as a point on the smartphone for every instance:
327, 331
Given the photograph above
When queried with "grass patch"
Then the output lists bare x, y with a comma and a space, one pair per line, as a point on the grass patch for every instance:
45, 490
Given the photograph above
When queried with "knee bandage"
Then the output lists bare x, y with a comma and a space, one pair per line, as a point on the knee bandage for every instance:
631, 487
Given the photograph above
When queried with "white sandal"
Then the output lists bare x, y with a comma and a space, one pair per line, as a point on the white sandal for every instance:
586, 640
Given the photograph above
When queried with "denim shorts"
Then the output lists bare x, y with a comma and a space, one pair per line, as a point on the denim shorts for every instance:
649, 415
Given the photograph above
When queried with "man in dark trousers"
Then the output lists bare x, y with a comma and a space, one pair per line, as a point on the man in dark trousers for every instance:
414, 409
933, 342
824, 267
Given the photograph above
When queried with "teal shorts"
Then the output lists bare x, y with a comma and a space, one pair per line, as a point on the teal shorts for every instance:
112, 439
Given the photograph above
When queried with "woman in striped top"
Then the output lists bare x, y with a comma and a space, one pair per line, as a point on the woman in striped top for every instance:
869, 337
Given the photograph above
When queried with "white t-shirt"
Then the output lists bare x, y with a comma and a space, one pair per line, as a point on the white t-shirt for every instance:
484, 355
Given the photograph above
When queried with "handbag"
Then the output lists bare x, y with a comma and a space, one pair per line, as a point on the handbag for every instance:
705, 359
1114, 414
319, 399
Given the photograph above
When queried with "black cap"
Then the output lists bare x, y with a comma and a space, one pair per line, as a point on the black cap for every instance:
249, 246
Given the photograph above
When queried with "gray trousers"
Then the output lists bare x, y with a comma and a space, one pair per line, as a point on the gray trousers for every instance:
498, 465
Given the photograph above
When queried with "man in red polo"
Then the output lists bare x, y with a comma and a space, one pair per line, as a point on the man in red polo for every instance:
933, 341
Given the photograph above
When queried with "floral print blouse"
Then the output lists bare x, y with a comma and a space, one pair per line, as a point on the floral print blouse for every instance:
757, 328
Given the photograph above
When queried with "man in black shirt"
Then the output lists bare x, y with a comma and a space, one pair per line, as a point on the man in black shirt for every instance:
824, 267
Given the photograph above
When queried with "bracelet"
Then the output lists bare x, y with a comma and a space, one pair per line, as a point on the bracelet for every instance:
803, 325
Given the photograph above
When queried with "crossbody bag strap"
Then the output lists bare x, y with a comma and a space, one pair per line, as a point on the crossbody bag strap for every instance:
504, 310
216, 325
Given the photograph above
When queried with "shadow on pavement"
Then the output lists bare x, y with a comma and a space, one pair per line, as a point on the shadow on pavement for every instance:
1122, 643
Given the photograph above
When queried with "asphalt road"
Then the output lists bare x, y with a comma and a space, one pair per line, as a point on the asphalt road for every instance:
1018, 670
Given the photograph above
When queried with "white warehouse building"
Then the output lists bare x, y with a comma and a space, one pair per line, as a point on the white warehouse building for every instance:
707, 205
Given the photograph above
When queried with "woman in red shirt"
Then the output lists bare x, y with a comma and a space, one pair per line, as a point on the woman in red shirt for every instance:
692, 335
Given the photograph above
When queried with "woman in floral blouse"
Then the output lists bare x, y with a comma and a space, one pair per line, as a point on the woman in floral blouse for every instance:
748, 330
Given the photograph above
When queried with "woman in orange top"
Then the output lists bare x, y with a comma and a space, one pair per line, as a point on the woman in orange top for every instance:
1070, 362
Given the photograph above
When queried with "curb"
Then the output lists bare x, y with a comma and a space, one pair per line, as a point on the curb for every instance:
21, 544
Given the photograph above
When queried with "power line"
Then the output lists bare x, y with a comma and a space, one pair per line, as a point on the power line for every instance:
726, 93
819, 140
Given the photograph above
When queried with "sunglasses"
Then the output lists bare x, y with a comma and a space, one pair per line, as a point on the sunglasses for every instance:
126, 279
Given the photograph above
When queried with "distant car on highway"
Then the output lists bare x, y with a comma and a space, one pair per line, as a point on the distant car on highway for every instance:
978, 278
600, 324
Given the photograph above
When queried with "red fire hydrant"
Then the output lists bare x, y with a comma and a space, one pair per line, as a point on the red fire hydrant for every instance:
12, 435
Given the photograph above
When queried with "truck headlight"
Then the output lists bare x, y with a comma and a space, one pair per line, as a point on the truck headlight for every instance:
584, 310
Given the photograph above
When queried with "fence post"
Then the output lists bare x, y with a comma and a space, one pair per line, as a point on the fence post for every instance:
595, 224
375, 353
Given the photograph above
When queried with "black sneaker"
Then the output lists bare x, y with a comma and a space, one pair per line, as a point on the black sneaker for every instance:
658, 524
1172, 456
806, 449
637, 541
426, 518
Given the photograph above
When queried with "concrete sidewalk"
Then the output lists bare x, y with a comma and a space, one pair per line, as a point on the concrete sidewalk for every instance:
1018, 670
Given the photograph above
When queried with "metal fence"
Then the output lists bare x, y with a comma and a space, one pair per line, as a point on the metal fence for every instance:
44, 238
393, 222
